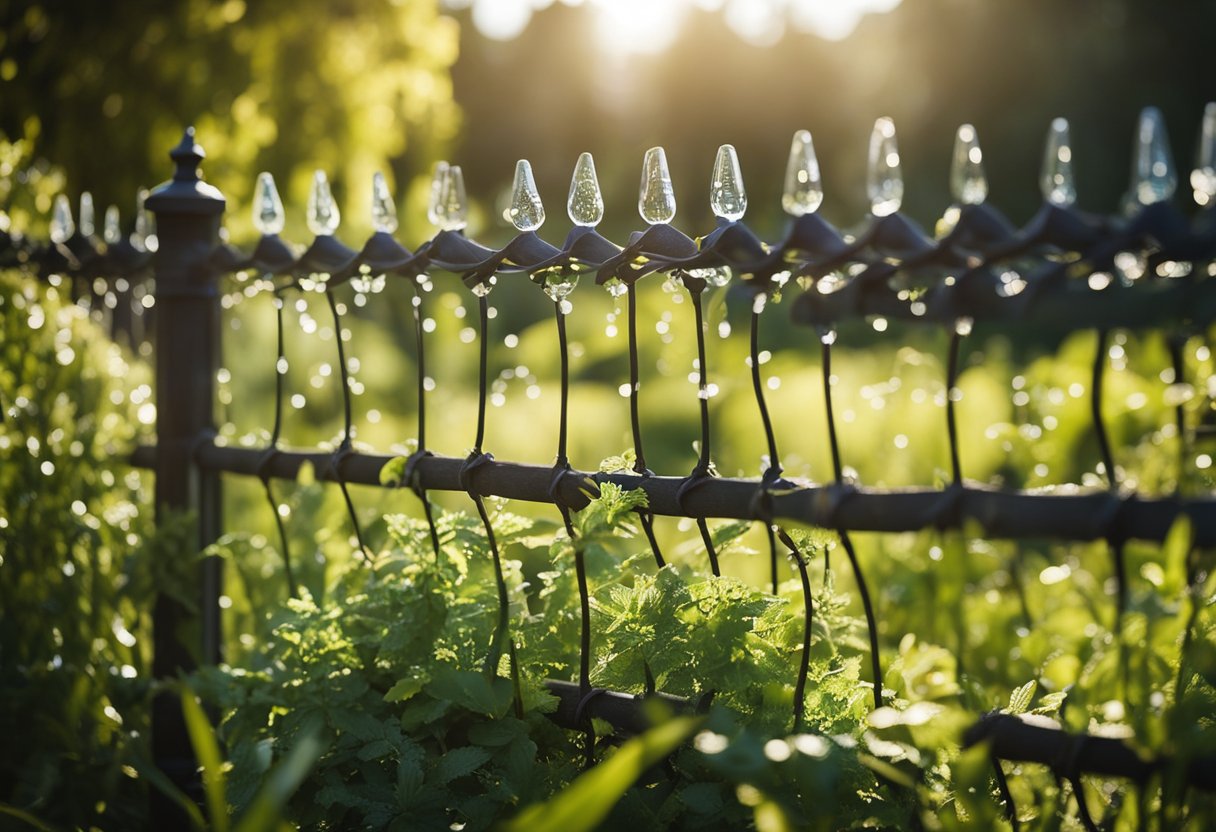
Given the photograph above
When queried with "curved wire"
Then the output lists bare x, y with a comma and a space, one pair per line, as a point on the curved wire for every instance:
1118, 558
704, 462
345, 447
280, 373
774, 461
639, 466
420, 349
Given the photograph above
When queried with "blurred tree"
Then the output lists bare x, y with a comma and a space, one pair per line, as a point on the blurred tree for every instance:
103, 90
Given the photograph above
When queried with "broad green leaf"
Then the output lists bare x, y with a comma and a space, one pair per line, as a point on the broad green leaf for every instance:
458, 762
392, 471
583, 804
405, 689
1020, 699
207, 751
472, 690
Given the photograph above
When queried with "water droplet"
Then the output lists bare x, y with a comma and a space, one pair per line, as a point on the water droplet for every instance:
1154, 178
384, 211
526, 213
268, 214
617, 287
452, 207
963, 326
1203, 177
86, 225
968, 185
585, 204
112, 232
432, 207
62, 226
281, 366
727, 196
759, 302
656, 197
803, 192
884, 178
482, 289
559, 283
715, 276
827, 335
323, 215
1056, 180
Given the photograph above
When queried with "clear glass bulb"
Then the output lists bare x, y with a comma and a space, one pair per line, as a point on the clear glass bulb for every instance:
323, 215
145, 223
657, 197
432, 206
585, 204
112, 231
268, 215
527, 212
803, 192
452, 207
968, 185
1154, 178
1056, 180
727, 196
86, 224
384, 210
62, 227
1203, 177
884, 178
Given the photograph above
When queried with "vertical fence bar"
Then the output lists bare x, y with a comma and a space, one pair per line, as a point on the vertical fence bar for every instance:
187, 353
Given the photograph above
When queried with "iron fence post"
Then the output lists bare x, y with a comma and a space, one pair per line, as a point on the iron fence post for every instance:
187, 331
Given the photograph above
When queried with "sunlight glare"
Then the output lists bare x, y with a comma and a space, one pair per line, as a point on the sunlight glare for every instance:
650, 26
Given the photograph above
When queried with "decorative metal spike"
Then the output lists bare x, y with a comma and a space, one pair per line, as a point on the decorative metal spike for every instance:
323, 215
585, 204
884, 179
112, 231
1154, 178
144, 237
432, 206
1056, 180
1203, 177
452, 208
62, 226
727, 196
657, 197
527, 212
803, 192
384, 210
268, 215
968, 185
86, 225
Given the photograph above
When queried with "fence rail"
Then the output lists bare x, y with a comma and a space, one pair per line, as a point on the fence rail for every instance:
1065, 270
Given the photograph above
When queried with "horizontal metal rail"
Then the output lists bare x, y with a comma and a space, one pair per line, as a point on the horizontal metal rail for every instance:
1065, 513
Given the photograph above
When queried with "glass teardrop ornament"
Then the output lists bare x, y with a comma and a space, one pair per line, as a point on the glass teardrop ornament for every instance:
62, 226
1203, 177
803, 192
268, 214
432, 205
384, 210
1056, 181
968, 184
452, 208
527, 212
585, 204
323, 215
656, 197
86, 224
884, 177
727, 196
1154, 178
112, 230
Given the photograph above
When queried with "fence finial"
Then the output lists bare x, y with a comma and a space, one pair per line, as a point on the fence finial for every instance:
188, 155
186, 192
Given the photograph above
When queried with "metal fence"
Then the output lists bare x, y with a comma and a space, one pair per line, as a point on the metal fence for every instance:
1065, 270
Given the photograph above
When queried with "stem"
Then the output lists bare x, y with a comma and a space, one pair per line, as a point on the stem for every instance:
292, 588
279, 377
1095, 404
564, 356
956, 469
420, 342
804, 664
827, 398
758, 387
871, 624
483, 309
343, 373
702, 384
639, 465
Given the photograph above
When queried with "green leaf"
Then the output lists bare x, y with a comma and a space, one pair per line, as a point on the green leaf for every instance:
393, 471
584, 804
619, 464
207, 751
266, 811
1020, 699
25, 817
165, 786
472, 690
405, 689
497, 732
458, 762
